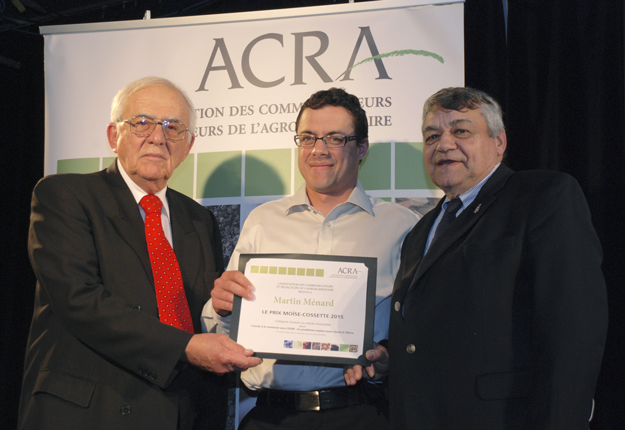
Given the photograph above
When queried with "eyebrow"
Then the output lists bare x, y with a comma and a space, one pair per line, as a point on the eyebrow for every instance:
163, 119
453, 123
342, 133
461, 120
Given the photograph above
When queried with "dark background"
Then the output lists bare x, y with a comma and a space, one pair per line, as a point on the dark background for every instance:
558, 74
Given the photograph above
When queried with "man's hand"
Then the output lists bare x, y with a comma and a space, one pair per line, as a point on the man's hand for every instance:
218, 353
375, 371
230, 283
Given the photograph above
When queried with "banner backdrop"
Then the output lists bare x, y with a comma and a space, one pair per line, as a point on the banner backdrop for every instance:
248, 75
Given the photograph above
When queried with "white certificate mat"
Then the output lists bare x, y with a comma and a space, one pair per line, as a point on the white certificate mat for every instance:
313, 308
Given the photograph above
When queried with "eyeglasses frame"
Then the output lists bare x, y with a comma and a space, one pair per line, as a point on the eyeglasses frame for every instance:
347, 139
162, 123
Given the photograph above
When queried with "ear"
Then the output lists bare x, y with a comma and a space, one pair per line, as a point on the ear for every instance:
189, 146
362, 149
502, 143
111, 134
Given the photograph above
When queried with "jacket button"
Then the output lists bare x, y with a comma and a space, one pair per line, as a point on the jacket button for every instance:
125, 410
397, 306
410, 348
135, 307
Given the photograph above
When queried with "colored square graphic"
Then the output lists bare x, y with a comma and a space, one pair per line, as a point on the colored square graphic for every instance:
219, 174
78, 165
375, 170
410, 172
267, 172
298, 179
107, 161
182, 178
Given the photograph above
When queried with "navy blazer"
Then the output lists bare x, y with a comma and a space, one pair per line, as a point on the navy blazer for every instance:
502, 324
97, 354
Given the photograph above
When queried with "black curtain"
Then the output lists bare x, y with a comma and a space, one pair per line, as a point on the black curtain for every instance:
559, 76
21, 166
566, 112
558, 73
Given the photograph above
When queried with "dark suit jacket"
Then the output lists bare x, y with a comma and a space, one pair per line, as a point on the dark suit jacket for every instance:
97, 354
501, 325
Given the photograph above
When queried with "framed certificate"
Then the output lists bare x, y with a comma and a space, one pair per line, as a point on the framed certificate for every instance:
313, 308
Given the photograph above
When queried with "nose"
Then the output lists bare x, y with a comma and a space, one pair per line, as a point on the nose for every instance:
319, 147
446, 142
157, 136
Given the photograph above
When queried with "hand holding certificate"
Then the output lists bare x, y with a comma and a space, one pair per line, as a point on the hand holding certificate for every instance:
314, 308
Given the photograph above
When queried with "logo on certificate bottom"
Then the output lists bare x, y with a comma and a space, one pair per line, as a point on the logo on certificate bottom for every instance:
320, 346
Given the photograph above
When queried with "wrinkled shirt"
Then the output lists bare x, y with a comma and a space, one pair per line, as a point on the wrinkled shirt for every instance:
362, 226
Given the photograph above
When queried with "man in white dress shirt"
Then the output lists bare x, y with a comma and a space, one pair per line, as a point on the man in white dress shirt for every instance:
332, 215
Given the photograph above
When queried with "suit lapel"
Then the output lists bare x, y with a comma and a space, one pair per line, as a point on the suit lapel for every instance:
465, 222
412, 253
128, 221
420, 239
187, 245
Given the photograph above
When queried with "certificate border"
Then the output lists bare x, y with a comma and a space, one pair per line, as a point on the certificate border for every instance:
372, 265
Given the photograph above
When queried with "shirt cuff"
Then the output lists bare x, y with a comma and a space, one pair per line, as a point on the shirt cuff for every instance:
212, 322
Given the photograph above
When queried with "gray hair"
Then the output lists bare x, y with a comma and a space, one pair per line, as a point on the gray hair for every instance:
121, 99
459, 98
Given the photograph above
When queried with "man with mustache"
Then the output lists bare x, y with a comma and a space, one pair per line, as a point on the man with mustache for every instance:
499, 310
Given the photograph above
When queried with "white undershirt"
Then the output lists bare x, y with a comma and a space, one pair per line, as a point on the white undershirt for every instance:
138, 193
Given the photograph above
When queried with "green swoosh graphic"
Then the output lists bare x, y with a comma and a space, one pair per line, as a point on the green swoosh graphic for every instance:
399, 53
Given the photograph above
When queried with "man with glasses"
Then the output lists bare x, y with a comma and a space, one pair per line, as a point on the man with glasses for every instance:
330, 214
113, 340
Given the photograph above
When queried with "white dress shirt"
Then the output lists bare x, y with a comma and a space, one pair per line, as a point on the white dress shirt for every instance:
138, 194
362, 226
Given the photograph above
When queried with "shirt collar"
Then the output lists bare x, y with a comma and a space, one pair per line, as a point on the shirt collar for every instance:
138, 193
468, 196
358, 197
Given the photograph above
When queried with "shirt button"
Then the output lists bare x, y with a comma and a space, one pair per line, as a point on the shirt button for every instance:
328, 224
410, 348
125, 410
397, 306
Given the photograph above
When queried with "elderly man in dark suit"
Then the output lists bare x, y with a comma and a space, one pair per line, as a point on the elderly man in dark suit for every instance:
112, 343
499, 307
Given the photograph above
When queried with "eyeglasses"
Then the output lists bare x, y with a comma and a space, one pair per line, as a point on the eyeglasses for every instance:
330, 141
144, 126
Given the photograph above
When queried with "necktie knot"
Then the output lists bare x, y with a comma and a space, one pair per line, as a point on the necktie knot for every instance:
151, 204
453, 206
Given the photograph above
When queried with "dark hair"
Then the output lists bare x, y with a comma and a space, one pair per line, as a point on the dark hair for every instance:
339, 97
460, 98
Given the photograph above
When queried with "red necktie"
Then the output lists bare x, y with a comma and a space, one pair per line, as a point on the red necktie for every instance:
173, 308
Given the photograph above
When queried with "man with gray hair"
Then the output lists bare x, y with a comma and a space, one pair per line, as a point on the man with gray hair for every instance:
499, 310
124, 265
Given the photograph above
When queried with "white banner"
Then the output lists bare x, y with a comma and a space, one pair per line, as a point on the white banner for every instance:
247, 75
